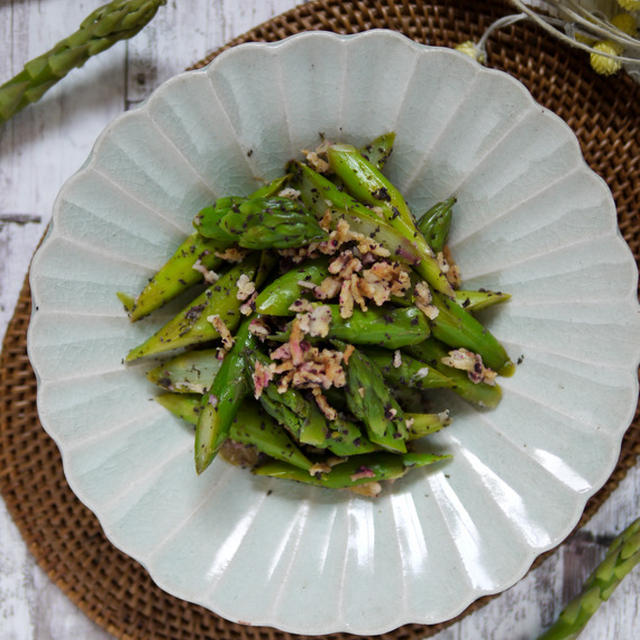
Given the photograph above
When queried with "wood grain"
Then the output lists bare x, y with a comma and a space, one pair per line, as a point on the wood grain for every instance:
45, 144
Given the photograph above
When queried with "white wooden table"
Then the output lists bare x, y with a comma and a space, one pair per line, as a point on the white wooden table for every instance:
47, 143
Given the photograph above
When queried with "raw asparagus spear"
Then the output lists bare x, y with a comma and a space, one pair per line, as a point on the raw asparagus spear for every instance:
366, 183
434, 224
623, 555
220, 403
191, 325
117, 20
373, 467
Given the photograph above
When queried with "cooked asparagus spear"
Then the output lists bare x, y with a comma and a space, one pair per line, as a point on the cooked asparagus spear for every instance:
276, 298
191, 325
175, 276
407, 371
259, 223
481, 299
423, 424
220, 403
303, 419
457, 328
188, 265
319, 194
431, 353
366, 183
343, 438
340, 436
253, 426
117, 20
250, 426
386, 326
378, 151
370, 400
373, 467
434, 224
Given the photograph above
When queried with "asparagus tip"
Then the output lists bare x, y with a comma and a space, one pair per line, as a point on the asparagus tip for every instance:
507, 369
127, 301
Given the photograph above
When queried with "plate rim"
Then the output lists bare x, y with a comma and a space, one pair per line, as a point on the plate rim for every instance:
419, 49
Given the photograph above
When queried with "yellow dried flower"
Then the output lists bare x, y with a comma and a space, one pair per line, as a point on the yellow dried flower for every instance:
470, 49
629, 5
603, 64
625, 22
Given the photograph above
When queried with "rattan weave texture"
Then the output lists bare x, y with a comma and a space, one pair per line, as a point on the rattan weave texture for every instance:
66, 538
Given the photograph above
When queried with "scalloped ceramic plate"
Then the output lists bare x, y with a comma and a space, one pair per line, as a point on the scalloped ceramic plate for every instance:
531, 219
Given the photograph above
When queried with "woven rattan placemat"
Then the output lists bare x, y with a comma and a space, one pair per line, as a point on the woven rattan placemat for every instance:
65, 537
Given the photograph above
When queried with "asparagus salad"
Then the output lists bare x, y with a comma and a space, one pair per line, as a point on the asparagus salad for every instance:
329, 314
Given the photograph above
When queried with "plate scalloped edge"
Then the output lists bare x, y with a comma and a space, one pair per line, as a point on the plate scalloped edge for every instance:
450, 517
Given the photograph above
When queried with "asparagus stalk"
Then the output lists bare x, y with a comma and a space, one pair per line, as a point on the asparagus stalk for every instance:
276, 298
221, 402
370, 400
481, 299
191, 325
117, 20
387, 327
304, 421
457, 328
319, 193
622, 556
366, 183
378, 151
435, 223
409, 372
187, 266
250, 426
373, 467
259, 223
174, 276
431, 353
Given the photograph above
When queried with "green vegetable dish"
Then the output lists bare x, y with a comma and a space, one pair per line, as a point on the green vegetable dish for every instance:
330, 315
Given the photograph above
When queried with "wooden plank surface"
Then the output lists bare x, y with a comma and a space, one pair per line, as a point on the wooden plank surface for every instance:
46, 143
